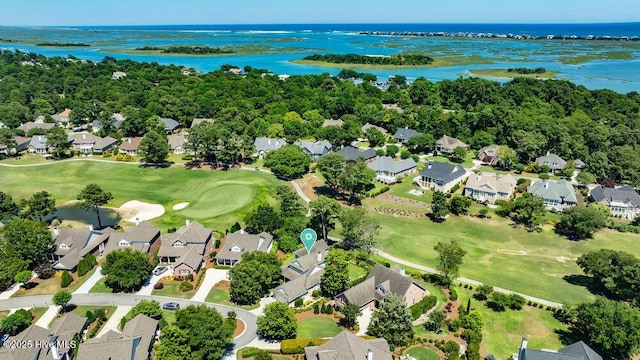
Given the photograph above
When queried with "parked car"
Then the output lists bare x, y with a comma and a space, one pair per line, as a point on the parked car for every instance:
160, 270
171, 306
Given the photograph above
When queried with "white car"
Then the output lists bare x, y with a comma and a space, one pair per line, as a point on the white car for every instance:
160, 270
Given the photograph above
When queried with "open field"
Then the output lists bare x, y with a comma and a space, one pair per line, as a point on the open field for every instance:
498, 254
504, 74
41, 287
216, 198
503, 331
317, 327
420, 353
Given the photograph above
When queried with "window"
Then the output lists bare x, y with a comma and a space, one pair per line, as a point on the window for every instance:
184, 271
124, 243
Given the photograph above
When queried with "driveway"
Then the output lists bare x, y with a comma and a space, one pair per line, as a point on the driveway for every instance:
91, 282
114, 320
363, 321
131, 300
211, 277
147, 288
48, 316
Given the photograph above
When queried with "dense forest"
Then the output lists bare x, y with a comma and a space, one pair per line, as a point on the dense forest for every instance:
190, 50
402, 59
600, 127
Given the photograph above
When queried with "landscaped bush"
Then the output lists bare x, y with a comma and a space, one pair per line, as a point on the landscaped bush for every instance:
455, 188
186, 286
100, 313
90, 317
382, 190
483, 292
453, 295
158, 286
316, 308
296, 346
189, 277
423, 306
299, 302
45, 270
250, 352
95, 329
162, 323
200, 277
66, 279
187, 157
217, 244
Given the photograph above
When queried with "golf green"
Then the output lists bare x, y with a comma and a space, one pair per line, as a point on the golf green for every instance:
220, 200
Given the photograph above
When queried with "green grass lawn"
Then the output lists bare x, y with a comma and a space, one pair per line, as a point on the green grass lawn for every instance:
467, 163
355, 272
420, 353
402, 190
317, 327
76, 284
38, 312
169, 316
219, 296
82, 311
100, 288
503, 331
43, 287
172, 289
492, 245
216, 198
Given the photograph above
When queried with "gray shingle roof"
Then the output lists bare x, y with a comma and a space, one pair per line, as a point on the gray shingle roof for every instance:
191, 258
450, 143
268, 144
346, 346
332, 122
175, 141
388, 164
625, 194
404, 134
190, 236
366, 126
554, 161
133, 344
197, 121
581, 349
352, 154
561, 191
139, 238
169, 124
314, 148
444, 172
245, 243
33, 125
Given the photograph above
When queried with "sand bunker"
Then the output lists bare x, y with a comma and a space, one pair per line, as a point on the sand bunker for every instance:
180, 206
142, 211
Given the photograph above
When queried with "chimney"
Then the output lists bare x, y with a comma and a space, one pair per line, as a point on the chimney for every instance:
429, 166
187, 222
523, 347
90, 227
319, 256
137, 221
56, 231
402, 271
129, 140
241, 231
369, 354
55, 352
546, 184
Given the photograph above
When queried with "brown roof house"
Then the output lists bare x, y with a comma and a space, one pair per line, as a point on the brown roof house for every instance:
176, 144
134, 343
347, 346
489, 188
72, 245
489, 154
62, 117
303, 274
88, 143
130, 145
447, 144
186, 249
366, 127
380, 282
21, 144
54, 344
239, 242
144, 237
332, 122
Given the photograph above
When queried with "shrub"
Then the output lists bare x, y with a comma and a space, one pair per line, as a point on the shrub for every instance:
422, 306
200, 277
296, 346
316, 308
189, 277
455, 188
100, 313
187, 157
83, 268
95, 329
217, 244
158, 286
453, 295
516, 302
299, 302
374, 193
90, 317
329, 309
231, 315
186, 286
544, 176
316, 293
162, 323
66, 280
45, 270
483, 292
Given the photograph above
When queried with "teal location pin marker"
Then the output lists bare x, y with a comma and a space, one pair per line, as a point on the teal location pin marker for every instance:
308, 237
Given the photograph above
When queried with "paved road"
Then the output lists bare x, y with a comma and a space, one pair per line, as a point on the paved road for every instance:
131, 300
465, 280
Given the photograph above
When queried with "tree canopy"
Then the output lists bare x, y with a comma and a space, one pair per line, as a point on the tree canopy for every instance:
581, 222
393, 321
278, 322
253, 277
288, 161
450, 257
27, 240
92, 197
126, 270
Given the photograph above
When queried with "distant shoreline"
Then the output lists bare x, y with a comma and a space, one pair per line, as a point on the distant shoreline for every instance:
505, 74
499, 36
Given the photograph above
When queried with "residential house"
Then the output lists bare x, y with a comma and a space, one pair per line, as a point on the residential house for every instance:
130, 145
197, 121
576, 351
314, 149
176, 144
446, 144
553, 161
134, 343
186, 249
381, 282
303, 274
21, 144
38, 145
488, 188
489, 155
26, 127
393, 107
389, 170
440, 176
62, 117
265, 144
623, 201
143, 237
579, 164
557, 195
117, 119
403, 135
72, 245
366, 126
236, 71
347, 346
46, 344
89, 143
353, 154
170, 125
332, 122
116, 75
239, 242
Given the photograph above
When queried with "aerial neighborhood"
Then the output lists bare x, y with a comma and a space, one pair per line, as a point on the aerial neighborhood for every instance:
155, 212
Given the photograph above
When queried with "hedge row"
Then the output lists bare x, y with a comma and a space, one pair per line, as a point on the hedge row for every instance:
423, 306
296, 346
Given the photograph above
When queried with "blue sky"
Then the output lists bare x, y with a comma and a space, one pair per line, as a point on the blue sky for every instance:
149, 12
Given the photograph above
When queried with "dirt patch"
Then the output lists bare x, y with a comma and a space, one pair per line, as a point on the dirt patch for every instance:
308, 183
403, 201
240, 326
222, 285
309, 314
382, 210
